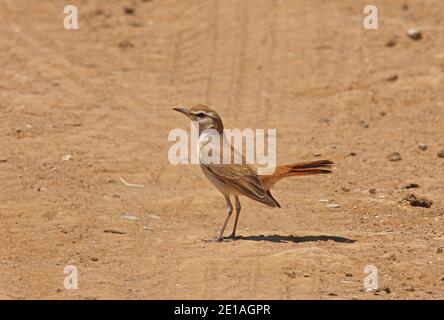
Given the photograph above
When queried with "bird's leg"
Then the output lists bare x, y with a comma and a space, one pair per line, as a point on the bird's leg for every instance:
238, 209
229, 211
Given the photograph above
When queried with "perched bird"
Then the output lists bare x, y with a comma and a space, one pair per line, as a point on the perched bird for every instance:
234, 179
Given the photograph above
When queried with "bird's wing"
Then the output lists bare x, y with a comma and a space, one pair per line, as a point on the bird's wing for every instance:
243, 178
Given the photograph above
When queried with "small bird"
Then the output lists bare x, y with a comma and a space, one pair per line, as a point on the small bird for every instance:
233, 179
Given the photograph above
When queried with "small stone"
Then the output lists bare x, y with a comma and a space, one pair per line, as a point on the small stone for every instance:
130, 217
387, 290
67, 157
418, 202
353, 154
306, 275
441, 153
392, 78
411, 186
94, 259
136, 24
394, 156
422, 146
392, 42
113, 231
389, 256
2, 160
323, 200
414, 34
349, 274
333, 206
372, 190
364, 124
440, 250
346, 189
129, 11
126, 44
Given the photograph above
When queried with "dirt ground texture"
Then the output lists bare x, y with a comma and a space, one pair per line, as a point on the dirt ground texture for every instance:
103, 94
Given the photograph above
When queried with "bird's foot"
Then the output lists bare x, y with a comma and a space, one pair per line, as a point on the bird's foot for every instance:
220, 239
231, 237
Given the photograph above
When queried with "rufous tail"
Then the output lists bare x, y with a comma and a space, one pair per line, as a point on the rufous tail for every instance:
298, 169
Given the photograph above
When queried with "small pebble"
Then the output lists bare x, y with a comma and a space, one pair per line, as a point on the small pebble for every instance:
414, 34
418, 202
129, 11
391, 42
346, 189
113, 231
126, 44
323, 200
395, 156
364, 124
349, 275
94, 259
130, 217
440, 250
392, 78
333, 206
441, 153
67, 157
389, 256
411, 186
423, 146
372, 190
3, 160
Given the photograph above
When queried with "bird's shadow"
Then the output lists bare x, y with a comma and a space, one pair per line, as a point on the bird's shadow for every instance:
295, 239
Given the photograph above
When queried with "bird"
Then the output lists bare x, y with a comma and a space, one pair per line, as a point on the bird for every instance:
242, 179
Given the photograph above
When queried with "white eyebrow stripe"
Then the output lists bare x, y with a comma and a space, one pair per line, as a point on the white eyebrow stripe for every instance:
207, 113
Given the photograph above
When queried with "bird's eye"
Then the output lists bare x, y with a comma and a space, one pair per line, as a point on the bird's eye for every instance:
200, 114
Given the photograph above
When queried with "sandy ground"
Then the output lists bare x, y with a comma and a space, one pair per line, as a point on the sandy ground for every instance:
103, 94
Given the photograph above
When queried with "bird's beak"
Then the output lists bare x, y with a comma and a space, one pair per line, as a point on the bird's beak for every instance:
184, 111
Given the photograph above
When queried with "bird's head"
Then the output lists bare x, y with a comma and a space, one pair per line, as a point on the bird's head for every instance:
206, 117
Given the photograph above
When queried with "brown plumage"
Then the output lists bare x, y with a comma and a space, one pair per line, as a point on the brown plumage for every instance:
243, 179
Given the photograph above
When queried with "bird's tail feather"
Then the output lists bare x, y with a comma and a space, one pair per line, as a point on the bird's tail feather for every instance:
297, 169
